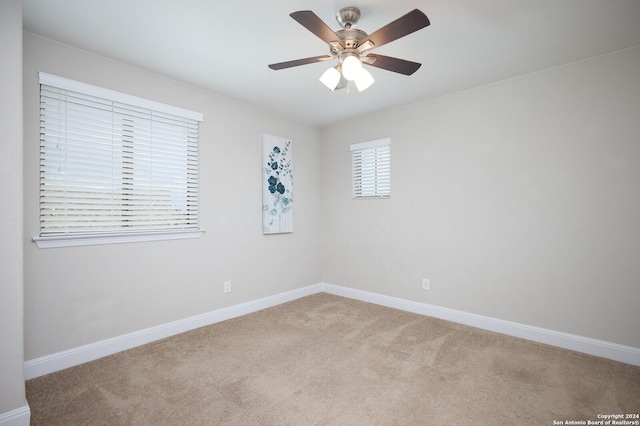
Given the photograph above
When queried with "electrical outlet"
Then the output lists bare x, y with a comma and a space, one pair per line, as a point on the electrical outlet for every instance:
227, 286
425, 284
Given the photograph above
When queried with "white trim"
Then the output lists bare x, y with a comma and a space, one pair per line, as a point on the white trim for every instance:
134, 237
600, 348
76, 356
101, 92
370, 144
18, 417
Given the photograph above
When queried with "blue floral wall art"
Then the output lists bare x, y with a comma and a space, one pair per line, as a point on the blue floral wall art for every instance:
277, 185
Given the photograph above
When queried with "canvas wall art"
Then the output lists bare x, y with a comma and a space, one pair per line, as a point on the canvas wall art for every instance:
277, 185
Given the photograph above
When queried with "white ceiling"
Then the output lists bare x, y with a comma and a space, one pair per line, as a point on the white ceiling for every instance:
225, 46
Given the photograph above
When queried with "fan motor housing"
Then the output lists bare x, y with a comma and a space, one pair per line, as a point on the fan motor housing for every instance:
351, 37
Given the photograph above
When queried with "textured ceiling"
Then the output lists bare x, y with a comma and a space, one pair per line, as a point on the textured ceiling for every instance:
225, 46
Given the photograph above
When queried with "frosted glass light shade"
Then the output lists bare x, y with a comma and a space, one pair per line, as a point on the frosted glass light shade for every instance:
330, 78
351, 67
364, 80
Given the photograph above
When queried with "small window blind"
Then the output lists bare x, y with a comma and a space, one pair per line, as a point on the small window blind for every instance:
111, 163
371, 169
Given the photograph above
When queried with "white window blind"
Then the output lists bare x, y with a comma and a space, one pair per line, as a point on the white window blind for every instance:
113, 164
371, 169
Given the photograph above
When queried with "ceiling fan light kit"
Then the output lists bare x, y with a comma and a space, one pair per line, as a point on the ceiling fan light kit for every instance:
364, 80
351, 66
351, 47
331, 78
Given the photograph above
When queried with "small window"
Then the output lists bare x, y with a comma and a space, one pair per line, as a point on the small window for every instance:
114, 167
371, 169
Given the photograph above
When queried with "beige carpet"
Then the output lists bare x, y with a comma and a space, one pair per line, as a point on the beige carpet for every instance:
327, 360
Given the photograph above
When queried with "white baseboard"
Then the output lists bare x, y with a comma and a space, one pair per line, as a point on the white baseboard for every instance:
61, 360
600, 348
76, 356
18, 417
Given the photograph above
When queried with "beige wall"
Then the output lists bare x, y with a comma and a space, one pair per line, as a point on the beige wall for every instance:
520, 200
12, 395
76, 296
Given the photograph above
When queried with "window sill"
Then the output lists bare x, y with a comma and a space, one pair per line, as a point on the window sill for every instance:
92, 240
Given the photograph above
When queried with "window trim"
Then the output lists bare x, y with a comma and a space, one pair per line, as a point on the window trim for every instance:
101, 92
98, 238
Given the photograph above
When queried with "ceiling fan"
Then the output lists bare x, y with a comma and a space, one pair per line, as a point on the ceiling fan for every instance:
351, 47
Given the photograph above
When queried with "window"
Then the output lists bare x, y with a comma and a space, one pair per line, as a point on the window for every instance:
114, 167
371, 169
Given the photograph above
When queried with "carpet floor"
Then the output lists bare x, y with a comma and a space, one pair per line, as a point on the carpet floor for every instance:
328, 360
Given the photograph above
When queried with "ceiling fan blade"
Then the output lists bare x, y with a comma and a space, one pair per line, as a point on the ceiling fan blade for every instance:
298, 62
407, 24
310, 21
388, 63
